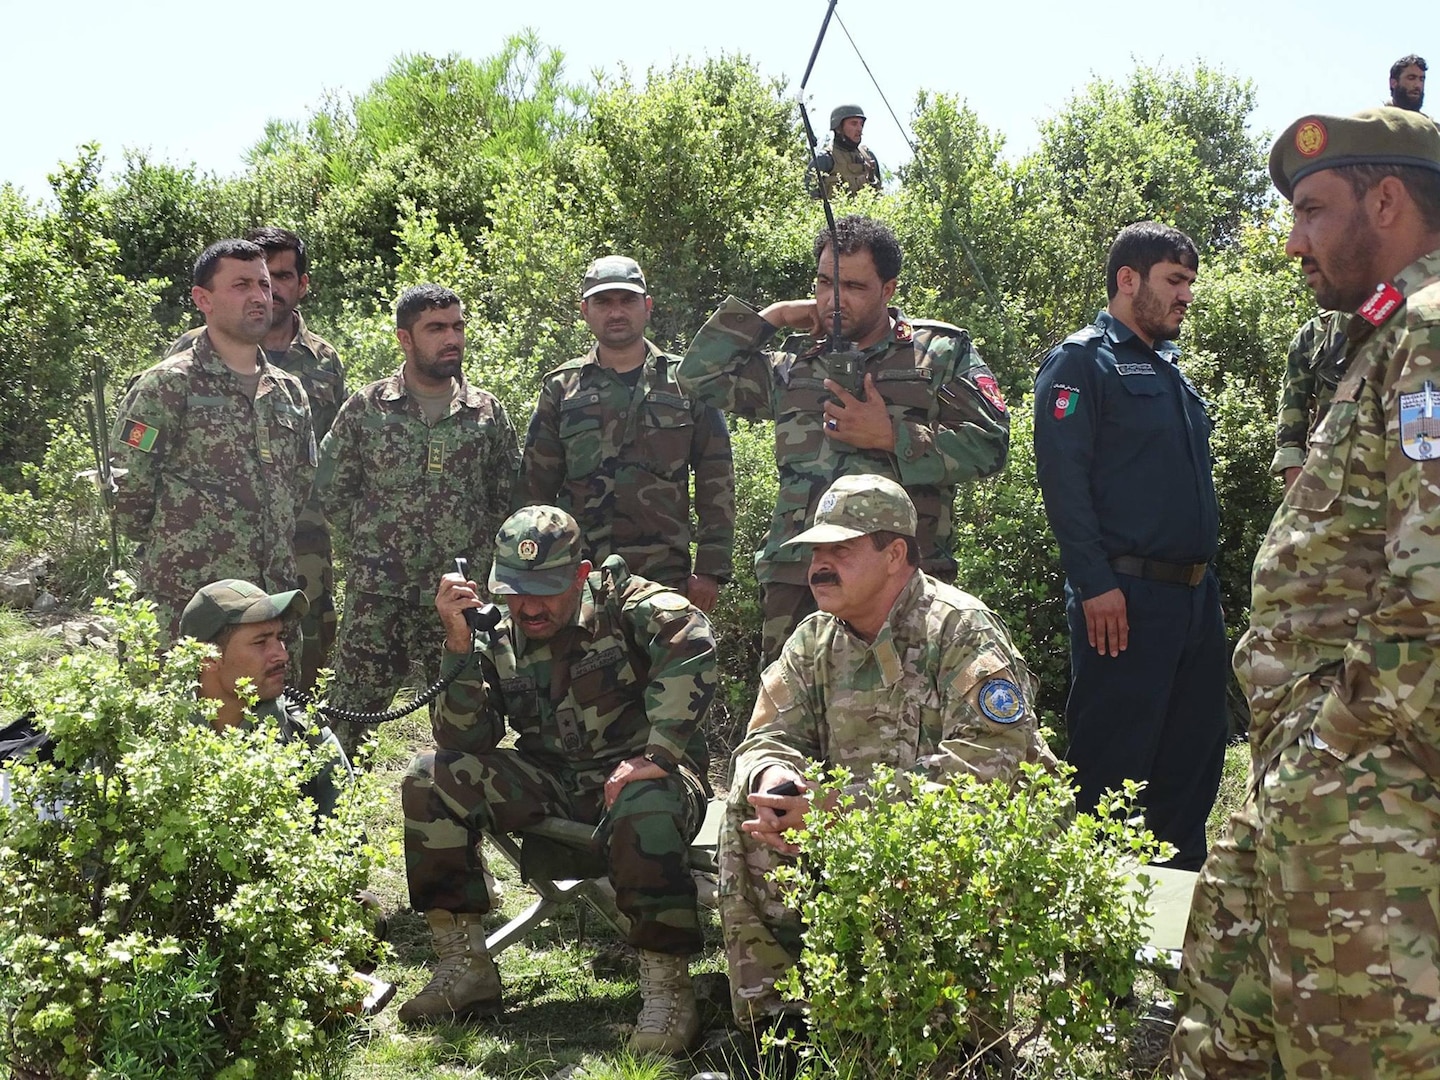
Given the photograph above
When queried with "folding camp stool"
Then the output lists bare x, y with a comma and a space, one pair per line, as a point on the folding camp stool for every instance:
555, 846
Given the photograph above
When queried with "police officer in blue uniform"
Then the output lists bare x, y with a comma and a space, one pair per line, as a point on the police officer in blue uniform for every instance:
1122, 448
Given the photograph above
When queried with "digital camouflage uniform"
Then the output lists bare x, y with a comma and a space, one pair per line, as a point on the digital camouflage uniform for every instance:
634, 674
1313, 948
314, 361
407, 498
619, 460
951, 425
1313, 367
213, 482
909, 700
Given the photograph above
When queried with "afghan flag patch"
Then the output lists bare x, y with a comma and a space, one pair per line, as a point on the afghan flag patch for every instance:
1066, 398
140, 436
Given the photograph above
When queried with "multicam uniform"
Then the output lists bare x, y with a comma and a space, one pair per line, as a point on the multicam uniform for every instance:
940, 692
633, 675
1313, 948
1313, 366
314, 361
951, 425
619, 461
408, 497
214, 482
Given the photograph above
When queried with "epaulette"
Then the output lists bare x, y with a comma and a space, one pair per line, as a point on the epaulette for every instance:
568, 365
932, 325
802, 345
1085, 335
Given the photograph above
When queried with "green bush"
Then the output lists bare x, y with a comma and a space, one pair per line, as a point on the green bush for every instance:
168, 903
967, 920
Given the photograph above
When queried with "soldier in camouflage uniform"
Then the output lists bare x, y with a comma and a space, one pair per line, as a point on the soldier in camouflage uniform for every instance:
416, 470
1313, 948
844, 163
1313, 367
895, 669
290, 346
613, 441
213, 447
928, 415
606, 679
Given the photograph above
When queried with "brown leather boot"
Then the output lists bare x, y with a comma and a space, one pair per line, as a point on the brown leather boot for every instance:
668, 1022
465, 983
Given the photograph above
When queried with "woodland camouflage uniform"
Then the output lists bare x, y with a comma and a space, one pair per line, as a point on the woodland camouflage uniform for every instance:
407, 498
1313, 948
1313, 366
951, 425
314, 361
620, 461
633, 675
213, 483
940, 692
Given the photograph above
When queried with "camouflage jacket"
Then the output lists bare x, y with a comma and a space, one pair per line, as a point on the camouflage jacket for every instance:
620, 461
941, 691
294, 722
213, 481
951, 423
634, 674
407, 497
1343, 632
1313, 367
312, 360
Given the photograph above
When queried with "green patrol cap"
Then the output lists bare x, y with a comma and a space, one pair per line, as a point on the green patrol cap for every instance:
841, 113
612, 272
1383, 136
232, 602
536, 553
856, 506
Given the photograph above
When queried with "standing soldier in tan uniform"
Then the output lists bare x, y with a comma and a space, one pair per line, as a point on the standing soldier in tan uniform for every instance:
918, 405
291, 346
844, 162
614, 442
213, 447
1313, 948
416, 470
1313, 366
896, 669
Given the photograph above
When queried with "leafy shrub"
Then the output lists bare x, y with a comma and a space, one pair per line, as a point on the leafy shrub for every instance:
168, 904
967, 919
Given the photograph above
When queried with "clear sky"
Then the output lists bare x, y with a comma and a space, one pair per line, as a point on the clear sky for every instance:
194, 83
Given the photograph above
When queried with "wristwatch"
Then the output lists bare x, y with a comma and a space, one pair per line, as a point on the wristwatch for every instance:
663, 762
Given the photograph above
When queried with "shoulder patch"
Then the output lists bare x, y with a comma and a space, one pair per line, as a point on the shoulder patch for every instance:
139, 436
1001, 701
669, 600
1420, 423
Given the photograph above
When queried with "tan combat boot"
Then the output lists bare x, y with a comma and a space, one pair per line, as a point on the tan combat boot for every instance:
465, 983
668, 1022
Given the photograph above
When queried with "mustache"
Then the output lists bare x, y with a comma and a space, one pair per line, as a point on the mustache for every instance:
825, 577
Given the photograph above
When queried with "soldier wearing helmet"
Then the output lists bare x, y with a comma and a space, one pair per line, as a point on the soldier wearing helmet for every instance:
845, 160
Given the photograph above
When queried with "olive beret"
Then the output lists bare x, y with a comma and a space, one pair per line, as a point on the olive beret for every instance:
1383, 136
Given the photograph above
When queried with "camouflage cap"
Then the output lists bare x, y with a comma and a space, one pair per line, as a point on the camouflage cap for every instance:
841, 113
536, 552
1383, 136
858, 505
612, 272
232, 602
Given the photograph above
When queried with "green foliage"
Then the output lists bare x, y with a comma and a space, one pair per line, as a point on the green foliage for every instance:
967, 920
157, 863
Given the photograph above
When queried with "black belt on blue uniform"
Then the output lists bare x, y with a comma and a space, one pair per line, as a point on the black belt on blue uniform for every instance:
1154, 570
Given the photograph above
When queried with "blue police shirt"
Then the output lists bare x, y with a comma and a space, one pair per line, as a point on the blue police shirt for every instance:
1122, 449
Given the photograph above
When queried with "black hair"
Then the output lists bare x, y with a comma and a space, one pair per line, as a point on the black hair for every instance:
421, 298
855, 232
209, 260
1141, 245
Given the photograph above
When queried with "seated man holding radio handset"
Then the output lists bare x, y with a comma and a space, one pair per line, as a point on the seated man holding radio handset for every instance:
896, 669
606, 678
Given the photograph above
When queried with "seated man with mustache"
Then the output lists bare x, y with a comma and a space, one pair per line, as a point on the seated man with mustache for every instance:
896, 669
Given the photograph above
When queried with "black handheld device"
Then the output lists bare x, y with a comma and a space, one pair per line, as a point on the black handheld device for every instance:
789, 787
484, 618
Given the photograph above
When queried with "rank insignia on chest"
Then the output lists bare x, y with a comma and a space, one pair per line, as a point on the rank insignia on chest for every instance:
262, 439
1066, 398
435, 458
1420, 423
1000, 701
138, 435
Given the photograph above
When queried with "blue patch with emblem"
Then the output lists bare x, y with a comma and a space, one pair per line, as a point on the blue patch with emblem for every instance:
1001, 702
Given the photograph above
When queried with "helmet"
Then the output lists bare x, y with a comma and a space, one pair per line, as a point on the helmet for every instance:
841, 113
